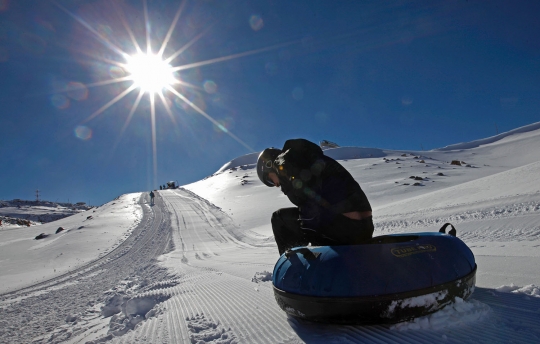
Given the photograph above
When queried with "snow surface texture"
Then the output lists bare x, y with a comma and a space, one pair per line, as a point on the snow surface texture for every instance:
196, 266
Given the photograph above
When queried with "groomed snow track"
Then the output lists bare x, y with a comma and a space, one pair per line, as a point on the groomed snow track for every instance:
211, 286
218, 297
33, 313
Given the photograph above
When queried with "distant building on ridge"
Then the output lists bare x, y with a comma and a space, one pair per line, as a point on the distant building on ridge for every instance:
325, 144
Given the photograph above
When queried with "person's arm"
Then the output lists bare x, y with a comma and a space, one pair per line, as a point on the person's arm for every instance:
358, 215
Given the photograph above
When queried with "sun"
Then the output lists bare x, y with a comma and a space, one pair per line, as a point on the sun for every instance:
149, 72
153, 75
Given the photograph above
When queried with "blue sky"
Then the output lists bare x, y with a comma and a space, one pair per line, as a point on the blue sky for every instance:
406, 75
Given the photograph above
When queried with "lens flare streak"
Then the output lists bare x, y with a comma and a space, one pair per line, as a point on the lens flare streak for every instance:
186, 46
132, 111
108, 82
230, 57
167, 107
154, 141
110, 103
128, 29
128, 119
171, 29
148, 28
92, 30
208, 117
152, 74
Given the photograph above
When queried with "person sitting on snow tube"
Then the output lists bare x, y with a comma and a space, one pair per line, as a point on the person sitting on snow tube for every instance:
331, 208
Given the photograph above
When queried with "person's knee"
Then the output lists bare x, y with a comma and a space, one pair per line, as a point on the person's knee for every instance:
275, 218
367, 229
369, 225
280, 216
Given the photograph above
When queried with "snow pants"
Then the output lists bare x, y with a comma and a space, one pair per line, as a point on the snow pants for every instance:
288, 231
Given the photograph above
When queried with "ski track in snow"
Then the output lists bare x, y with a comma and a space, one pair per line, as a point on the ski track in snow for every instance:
433, 217
69, 305
188, 275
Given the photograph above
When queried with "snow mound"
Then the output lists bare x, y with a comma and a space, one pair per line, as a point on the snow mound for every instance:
529, 290
247, 161
429, 301
456, 314
263, 276
203, 330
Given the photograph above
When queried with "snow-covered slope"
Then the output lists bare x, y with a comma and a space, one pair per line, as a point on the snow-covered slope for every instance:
197, 266
85, 237
531, 128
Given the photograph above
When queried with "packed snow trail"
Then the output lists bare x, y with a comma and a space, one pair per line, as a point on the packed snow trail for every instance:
58, 309
215, 297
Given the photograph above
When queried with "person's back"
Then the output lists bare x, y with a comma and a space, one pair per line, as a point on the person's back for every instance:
332, 208
335, 192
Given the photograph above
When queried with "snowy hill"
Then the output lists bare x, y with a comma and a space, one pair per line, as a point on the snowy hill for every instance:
196, 266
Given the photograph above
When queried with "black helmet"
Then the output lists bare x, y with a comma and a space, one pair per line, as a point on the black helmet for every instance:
265, 164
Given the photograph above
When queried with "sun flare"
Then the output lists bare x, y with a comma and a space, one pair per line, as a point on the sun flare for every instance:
153, 75
149, 72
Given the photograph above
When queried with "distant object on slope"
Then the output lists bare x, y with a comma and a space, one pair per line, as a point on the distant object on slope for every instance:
325, 144
6, 221
41, 236
168, 185
389, 279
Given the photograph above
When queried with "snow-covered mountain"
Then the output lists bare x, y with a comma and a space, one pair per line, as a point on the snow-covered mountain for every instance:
19, 212
196, 266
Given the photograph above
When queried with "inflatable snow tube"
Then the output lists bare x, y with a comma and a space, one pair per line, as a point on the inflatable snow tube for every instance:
389, 279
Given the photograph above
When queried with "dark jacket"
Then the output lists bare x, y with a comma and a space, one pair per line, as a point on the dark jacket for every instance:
317, 184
